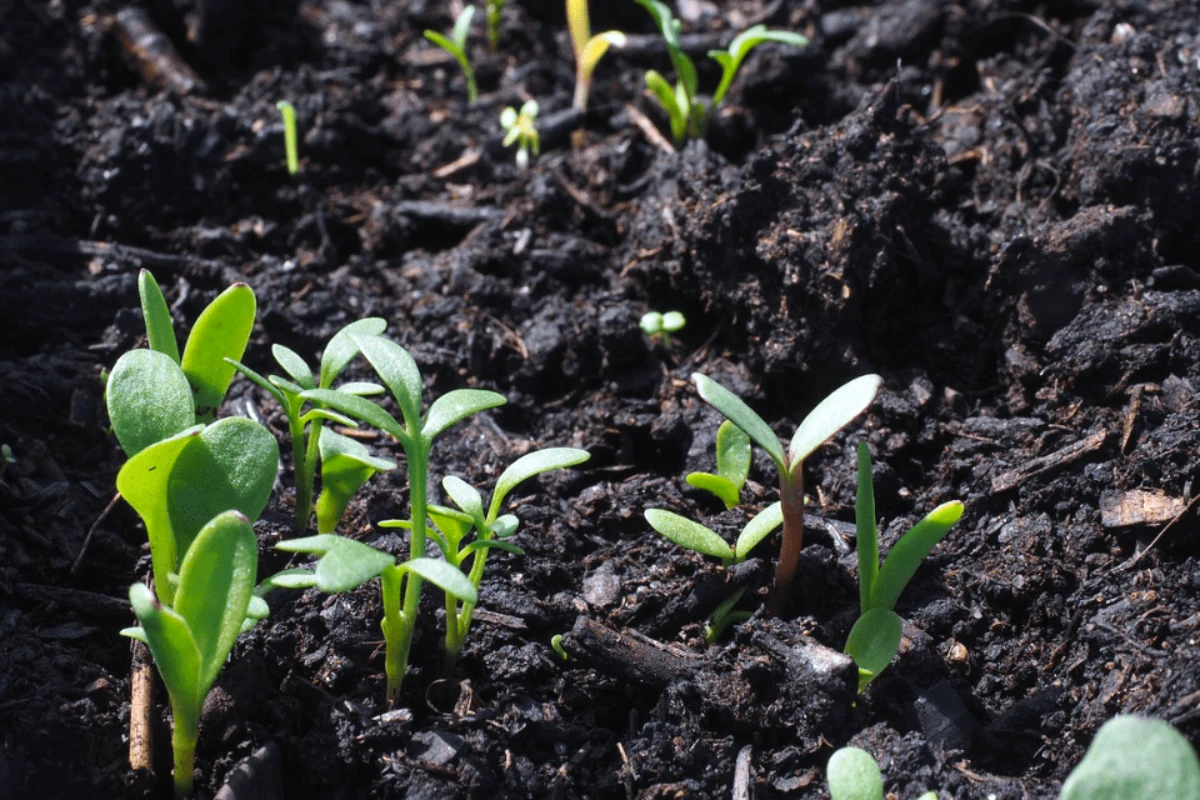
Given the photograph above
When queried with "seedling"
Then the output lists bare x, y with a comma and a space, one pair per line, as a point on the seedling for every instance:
656, 324
346, 466
853, 774
415, 434
6, 459
490, 530
521, 128
875, 638
704, 540
494, 7
191, 640
456, 45
557, 646
588, 49
733, 466
830, 416
1133, 758
306, 428
724, 616
686, 111
290, 138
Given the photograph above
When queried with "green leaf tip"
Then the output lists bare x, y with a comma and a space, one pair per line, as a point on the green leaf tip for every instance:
853, 775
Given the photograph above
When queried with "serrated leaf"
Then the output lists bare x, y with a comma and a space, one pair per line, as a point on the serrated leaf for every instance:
149, 399
341, 349
444, 576
530, 465
293, 364
873, 643
741, 415
723, 488
456, 405
160, 331
359, 408
831, 415
686, 533
908, 553
854, 775
1133, 758
758, 528
398, 372
231, 465
221, 331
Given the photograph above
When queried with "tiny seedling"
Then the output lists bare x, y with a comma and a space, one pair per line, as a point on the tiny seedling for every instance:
1133, 758
290, 138
6, 459
875, 638
306, 428
191, 640
704, 540
557, 646
655, 324
853, 774
346, 466
521, 129
589, 49
830, 416
724, 616
456, 45
494, 7
733, 466
686, 111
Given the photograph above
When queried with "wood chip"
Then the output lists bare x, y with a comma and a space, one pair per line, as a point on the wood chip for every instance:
1072, 452
1138, 507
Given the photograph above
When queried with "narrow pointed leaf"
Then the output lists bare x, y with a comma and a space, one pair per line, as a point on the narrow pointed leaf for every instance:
314, 545
443, 576
595, 49
741, 415
259, 380
328, 416
462, 26
740, 47
398, 372
361, 388
295, 578
757, 529
358, 407
286, 386
149, 399
171, 643
723, 488
531, 464
221, 331
350, 564
908, 553
341, 349
831, 415
873, 642
293, 364
135, 633
686, 533
491, 544
456, 405
867, 533
579, 25
160, 331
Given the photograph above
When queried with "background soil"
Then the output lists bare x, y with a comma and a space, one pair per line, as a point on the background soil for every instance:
991, 203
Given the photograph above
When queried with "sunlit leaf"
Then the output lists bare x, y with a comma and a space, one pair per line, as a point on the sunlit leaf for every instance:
908, 553
160, 331
456, 405
686, 533
531, 464
831, 415
757, 529
149, 399
873, 642
741, 415
221, 331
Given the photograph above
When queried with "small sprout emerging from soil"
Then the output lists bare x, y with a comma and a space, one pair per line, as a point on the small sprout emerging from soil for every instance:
588, 49
830, 416
1133, 758
655, 324
875, 638
733, 466
557, 646
456, 45
494, 7
290, 137
724, 616
306, 428
686, 111
6, 459
346, 466
521, 128
191, 640
853, 774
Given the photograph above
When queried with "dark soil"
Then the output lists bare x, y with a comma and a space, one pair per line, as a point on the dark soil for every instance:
992, 203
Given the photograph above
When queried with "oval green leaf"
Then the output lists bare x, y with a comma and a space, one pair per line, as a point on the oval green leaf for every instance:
398, 372
854, 775
741, 415
733, 454
831, 415
908, 553
723, 488
1133, 758
221, 331
293, 364
686, 533
174, 650
456, 405
443, 576
341, 349
758, 528
148, 399
873, 642
349, 564
531, 464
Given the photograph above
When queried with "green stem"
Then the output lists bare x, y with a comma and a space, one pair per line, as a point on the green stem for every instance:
183, 742
418, 474
791, 496
306, 475
397, 633
296, 433
476, 576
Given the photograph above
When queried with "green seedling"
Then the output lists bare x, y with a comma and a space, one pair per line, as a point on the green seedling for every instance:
494, 7
589, 49
557, 646
875, 638
853, 774
346, 466
733, 466
687, 112
416, 434
724, 616
656, 324
521, 129
704, 540
1134, 758
306, 428
191, 640
830, 416
290, 137
456, 45
6, 459
452, 527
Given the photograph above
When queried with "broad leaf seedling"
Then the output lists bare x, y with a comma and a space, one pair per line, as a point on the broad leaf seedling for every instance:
875, 638
521, 129
456, 45
655, 324
589, 49
853, 774
1133, 758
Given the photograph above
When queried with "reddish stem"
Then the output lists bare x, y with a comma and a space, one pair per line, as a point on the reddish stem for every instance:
791, 496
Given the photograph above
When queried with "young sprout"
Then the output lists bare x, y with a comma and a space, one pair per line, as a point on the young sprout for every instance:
557, 646
305, 428
494, 7
522, 129
830, 416
687, 113
191, 640
853, 774
875, 638
724, 616
588, 49
290, 139
733, 466
701, 539
346, 466
6, 459
656, 324
456, 45
1133, 758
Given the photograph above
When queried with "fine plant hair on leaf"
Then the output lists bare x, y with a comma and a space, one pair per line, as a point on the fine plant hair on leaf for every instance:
291, 144
1134, 758
831, 415
456, 45
160, 331
221, 331
701, 539
191, 641
149, 400
733, 466
588, 49
853, 775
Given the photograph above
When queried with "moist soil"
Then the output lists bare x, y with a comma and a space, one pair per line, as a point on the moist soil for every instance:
991, 203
